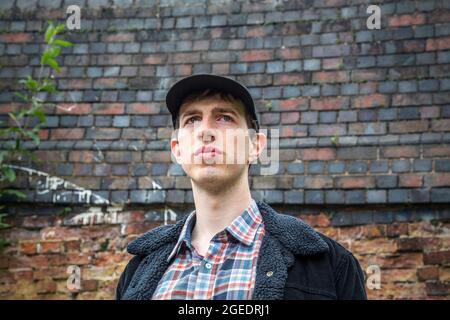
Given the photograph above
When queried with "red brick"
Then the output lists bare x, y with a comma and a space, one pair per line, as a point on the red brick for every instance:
400, 152
408, 126
335, 103
429, 112
350, 232
46, 286
185, 70
317, 154
138, 227
288, 79
67, 134
428, 273
27, 247
72, 245
143, 108
5, 108
84, 156
36, 222
109, 108
368, 75
49, 247
438, 180
256, 55
396, 229
289, 53
293, 104
220, 68
292, 131
440, 125
355, 182
438, 44
77, 258
73, 108
316, 220
119, 37
185, 57
406, 20
330, 76
89, 285
290, 117
379, 245
438, 16
372, 100
436, 151
440, 257
16, 37
43, 134
411, 99
398, 276
374, 231
255, 32
318, 182
411, 180
332, 63
437, 288
156, 59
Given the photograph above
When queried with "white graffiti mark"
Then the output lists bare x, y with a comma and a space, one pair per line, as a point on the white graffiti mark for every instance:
169, 215
95, 215
51, 183
155, 185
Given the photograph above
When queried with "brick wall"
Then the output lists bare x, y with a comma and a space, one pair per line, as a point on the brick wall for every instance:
364, 119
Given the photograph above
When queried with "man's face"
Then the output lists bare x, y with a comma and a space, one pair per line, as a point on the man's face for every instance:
212, 144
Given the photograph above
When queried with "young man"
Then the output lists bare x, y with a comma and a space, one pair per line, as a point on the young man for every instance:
231, 246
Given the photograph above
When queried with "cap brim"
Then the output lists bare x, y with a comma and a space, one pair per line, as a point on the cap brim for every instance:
181, 89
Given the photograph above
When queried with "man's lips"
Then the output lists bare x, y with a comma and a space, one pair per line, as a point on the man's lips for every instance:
207, 150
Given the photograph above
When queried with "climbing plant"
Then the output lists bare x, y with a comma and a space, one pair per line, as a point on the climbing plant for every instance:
25, 122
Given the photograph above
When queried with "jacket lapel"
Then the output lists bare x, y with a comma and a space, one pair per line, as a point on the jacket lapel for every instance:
285, 237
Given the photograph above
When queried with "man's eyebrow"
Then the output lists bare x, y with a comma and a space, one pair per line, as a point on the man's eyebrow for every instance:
217, 109
226, 110
189, 112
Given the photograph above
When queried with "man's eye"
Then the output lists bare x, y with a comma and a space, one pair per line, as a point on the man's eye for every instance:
191, 120
226, 118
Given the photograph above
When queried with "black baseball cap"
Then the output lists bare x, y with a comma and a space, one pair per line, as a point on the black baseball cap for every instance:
198, 82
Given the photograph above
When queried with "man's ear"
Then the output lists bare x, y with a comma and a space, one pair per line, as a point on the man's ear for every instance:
258, 142
175, 149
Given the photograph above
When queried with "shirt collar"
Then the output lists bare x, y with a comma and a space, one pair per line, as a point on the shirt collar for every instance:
243, 228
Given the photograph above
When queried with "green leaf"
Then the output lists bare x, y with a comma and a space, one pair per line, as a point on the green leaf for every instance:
50, 32
60, 28
48, 87
17, 193
21, 96
10, 174
52, 63
30, 83
33, 135
55, 51
38, 113
63, 43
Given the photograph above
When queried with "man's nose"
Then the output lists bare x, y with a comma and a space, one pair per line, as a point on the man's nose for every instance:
206, 129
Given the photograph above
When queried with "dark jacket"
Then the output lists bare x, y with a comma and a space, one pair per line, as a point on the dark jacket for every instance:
294, 262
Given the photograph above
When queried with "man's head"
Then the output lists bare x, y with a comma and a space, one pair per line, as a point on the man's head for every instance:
216, 138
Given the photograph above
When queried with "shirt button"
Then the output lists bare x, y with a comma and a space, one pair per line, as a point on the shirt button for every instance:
269, 273
208, 266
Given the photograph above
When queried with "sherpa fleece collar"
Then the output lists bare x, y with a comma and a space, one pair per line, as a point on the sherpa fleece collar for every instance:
293, 233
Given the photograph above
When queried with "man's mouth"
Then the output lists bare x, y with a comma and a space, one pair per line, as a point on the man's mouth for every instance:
207, 152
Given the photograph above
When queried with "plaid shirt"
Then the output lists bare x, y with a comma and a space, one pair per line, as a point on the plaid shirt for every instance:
228, 269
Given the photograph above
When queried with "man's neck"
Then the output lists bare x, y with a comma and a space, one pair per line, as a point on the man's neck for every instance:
216, 211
